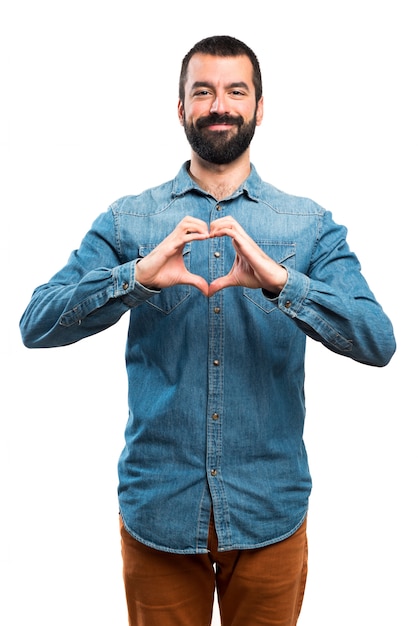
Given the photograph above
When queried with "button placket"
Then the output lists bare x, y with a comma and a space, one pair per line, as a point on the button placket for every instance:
215, 365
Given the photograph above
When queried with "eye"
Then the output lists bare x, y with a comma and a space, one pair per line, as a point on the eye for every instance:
201, 92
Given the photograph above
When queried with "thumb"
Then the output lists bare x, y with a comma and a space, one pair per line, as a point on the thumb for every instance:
220, 283
199, 282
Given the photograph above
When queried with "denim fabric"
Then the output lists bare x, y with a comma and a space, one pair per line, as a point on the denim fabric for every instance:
216, 386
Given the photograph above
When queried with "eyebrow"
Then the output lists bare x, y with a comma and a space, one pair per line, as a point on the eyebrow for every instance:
240, 84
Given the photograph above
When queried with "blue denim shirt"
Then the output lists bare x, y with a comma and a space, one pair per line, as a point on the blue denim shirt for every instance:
216, 385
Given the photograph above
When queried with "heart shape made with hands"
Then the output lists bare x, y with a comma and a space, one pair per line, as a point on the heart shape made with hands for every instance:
252, 267
230, 279
242, 272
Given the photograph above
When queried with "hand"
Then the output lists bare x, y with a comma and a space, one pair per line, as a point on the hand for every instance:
164, 265
252, 267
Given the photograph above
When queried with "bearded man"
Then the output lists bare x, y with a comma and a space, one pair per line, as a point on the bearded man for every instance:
224, 277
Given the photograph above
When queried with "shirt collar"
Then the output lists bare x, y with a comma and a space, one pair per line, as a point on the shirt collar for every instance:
184, 183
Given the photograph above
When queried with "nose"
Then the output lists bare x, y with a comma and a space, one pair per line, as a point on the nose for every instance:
219, 105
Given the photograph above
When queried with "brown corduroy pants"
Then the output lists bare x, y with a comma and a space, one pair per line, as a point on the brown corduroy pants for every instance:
259, 587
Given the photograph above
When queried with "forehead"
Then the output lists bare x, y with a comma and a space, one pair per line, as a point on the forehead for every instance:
217, 70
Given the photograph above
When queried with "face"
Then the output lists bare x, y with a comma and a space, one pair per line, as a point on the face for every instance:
219, 112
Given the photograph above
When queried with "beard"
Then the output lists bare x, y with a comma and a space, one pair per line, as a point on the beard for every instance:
219, 147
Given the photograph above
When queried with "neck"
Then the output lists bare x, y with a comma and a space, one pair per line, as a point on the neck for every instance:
219, 180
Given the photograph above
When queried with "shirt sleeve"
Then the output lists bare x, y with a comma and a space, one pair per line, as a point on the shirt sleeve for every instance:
332, 303
95, 288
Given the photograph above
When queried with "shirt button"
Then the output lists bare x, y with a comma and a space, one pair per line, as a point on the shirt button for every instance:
218, 207
217, 254
288, 304
213, 472
216, 362
125, 286
215, 416
217, 309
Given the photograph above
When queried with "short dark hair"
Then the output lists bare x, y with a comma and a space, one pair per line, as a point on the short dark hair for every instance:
222, 46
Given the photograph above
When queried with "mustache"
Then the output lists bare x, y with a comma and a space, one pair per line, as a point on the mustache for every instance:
209, 120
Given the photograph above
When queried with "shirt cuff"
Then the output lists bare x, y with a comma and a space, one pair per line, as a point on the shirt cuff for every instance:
127, 288
290, 299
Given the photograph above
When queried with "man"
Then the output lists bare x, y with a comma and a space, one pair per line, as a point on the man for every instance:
223, 276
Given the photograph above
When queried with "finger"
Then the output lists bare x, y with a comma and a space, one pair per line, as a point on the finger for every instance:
221, 283
199, 282
192, 235
219, 230
229, 228
193, 225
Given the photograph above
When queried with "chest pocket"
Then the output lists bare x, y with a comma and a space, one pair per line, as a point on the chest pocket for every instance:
283, 254
171, 297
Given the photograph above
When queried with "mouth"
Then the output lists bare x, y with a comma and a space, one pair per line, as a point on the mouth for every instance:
218, 123
219, 127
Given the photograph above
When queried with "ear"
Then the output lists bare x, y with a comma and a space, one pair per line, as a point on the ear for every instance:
260, 111
180, 111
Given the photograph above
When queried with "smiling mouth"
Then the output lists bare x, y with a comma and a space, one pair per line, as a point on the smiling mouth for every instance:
220, 127
218, 123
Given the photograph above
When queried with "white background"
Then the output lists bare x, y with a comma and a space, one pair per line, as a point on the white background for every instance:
89, 96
